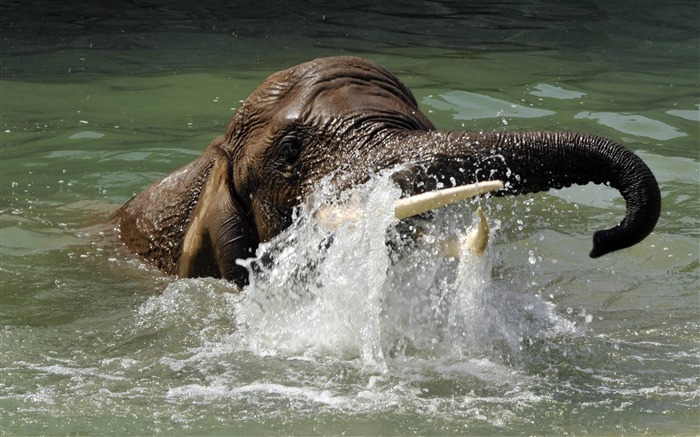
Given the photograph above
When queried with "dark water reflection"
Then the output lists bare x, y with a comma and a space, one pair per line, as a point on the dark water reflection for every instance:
45, 39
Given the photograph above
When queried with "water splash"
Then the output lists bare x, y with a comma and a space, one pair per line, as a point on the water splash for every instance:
370, 289
319, 290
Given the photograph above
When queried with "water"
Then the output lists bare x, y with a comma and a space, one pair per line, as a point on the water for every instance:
532, 338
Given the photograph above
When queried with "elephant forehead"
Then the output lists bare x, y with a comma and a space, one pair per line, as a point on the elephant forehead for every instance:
347, 95
336, 102
334, 87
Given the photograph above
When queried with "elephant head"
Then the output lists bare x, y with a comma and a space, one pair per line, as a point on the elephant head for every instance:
344, 119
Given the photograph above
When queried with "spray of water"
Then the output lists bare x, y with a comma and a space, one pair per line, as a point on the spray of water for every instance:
370, 289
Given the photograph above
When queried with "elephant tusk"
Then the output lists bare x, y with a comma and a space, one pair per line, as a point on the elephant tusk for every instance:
334, 216
431, 200
476, 240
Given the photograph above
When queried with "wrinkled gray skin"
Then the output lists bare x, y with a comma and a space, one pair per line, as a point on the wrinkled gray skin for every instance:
350, 118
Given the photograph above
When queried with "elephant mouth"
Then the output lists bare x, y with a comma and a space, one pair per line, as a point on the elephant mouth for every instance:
474, 240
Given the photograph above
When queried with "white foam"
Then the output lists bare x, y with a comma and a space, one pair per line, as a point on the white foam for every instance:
349, 294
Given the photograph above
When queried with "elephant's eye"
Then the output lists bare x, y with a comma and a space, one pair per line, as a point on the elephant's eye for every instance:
289, 152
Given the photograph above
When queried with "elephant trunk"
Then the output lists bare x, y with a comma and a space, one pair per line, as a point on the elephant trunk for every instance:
532, 162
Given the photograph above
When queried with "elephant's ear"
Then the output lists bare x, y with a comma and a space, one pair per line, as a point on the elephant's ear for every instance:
219, 232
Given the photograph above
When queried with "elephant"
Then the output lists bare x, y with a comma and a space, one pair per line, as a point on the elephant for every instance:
345, 119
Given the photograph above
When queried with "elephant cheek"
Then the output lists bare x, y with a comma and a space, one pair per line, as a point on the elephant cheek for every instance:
268, 221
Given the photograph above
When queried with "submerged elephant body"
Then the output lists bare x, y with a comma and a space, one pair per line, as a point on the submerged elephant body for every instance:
346, 118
